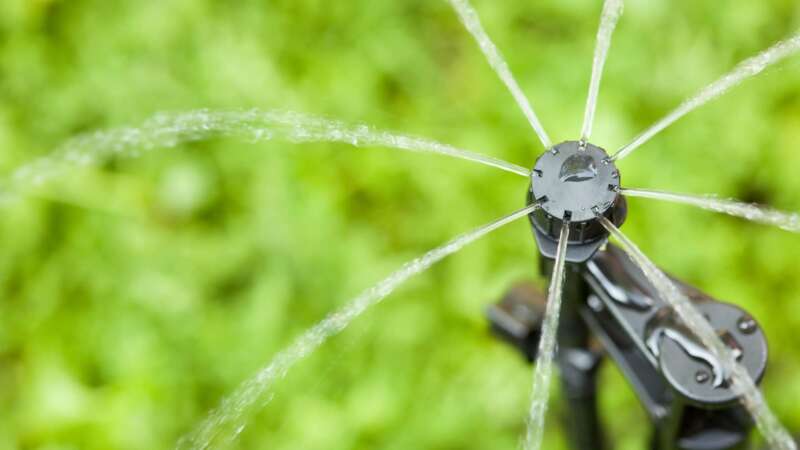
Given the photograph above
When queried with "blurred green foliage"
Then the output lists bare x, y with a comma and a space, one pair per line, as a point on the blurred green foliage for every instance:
135, 295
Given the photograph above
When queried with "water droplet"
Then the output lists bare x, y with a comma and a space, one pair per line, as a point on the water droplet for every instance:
261, 134
578, 167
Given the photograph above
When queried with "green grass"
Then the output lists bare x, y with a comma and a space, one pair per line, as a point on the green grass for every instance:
135, 295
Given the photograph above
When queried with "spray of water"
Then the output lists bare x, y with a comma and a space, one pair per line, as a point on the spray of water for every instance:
547, 348
469, 17
612, 10
744, 386
223, 425
746, 69
756, 213
169, 130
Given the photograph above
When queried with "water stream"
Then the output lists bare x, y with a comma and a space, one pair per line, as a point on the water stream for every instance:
469, 17
743, 385
612, 10
547, 348
744, 70
223, 425
755, 213
169, 130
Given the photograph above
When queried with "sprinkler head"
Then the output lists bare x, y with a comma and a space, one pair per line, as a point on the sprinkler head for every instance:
575, 181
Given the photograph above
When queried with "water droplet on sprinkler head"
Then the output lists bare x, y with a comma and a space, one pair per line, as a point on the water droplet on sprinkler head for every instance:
578, 167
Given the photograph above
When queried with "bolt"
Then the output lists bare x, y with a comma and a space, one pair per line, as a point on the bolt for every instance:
595, 304
702, 376
747, 325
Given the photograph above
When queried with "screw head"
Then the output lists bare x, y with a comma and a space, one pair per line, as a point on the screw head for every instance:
747, 325
702, 376
595, 303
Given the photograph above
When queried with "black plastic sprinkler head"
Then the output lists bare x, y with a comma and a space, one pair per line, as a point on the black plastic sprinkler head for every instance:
578, 182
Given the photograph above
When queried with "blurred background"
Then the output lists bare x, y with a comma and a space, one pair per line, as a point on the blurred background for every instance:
136, 294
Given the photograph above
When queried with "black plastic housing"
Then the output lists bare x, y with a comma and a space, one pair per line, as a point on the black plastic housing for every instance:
575, 181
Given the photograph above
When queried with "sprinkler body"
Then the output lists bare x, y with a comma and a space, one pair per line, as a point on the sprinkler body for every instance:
609, 308
681, 385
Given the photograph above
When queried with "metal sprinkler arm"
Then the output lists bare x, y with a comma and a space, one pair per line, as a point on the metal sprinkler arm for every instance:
679, 384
